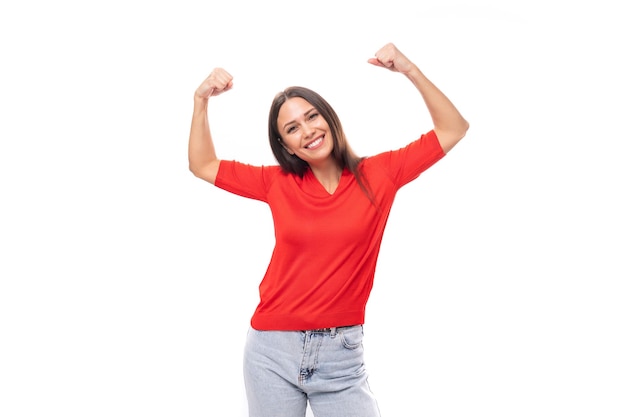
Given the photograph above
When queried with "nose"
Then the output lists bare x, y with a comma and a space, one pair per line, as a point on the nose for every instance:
307, 130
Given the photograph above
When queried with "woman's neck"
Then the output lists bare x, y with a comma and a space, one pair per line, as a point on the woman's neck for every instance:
328, 175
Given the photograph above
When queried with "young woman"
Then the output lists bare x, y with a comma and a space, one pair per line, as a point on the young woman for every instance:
329, 208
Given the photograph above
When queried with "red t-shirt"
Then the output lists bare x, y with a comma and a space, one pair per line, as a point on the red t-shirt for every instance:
322, 268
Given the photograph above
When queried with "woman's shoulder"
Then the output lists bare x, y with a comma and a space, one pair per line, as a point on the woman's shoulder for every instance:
234, 169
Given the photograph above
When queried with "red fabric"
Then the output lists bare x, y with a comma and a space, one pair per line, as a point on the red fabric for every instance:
322, 267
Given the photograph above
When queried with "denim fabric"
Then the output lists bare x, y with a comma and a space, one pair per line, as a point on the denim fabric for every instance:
285, 369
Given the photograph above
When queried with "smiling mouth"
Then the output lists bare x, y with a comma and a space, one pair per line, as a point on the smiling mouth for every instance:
317, 142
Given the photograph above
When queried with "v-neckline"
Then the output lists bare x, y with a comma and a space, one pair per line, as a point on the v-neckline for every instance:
320, 187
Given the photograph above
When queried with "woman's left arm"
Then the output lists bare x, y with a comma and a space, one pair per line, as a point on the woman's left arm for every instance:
449, 124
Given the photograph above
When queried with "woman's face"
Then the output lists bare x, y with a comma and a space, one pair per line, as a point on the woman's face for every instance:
304, 132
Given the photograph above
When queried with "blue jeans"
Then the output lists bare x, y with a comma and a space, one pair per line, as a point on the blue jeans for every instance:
285, 369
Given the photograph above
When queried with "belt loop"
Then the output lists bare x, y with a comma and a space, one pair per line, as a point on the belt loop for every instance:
333, 331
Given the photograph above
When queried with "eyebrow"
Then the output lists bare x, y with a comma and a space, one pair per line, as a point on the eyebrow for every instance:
305, 114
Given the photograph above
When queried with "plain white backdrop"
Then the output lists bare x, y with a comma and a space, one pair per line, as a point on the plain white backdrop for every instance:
127, 284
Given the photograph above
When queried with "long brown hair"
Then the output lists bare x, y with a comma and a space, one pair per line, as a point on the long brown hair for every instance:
342, 152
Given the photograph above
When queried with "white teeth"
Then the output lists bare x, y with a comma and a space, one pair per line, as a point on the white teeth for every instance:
314, 143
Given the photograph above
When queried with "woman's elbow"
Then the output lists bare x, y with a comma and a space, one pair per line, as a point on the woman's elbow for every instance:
450, 137
461, 126
206, 171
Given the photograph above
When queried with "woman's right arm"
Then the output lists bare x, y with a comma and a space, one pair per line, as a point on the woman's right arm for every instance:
203, 161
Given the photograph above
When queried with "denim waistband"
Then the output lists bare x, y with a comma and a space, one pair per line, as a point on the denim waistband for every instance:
330, 329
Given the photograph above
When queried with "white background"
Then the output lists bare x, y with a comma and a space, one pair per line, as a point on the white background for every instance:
127, 284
